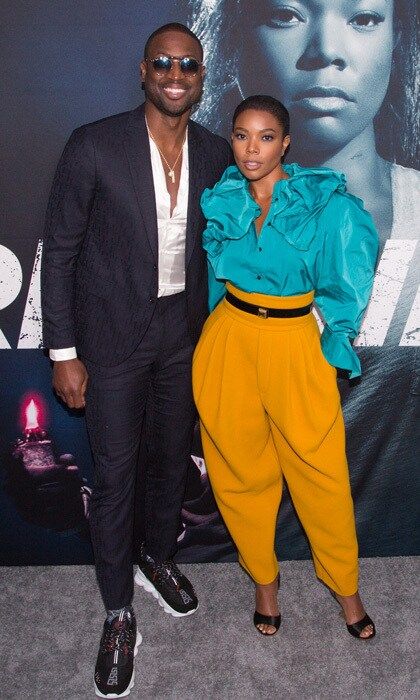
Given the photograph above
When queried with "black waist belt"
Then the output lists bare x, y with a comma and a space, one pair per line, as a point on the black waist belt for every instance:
264, 312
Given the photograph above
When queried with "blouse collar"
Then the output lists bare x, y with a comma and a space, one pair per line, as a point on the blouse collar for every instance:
296, 203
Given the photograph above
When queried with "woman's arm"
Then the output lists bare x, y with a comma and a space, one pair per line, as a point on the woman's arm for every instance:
217, 288
344, 282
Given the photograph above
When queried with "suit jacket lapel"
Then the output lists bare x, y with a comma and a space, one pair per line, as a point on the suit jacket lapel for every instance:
196, 186
137, 149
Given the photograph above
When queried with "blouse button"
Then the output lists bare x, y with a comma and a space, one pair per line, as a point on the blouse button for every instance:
260, 249
258, 277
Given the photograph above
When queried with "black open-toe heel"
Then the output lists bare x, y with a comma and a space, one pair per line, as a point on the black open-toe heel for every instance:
357, 628
272, 620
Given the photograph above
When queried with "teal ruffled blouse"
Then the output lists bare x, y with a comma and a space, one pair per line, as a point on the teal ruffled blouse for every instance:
316, 236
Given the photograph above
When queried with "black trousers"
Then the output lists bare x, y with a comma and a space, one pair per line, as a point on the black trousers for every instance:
160, 370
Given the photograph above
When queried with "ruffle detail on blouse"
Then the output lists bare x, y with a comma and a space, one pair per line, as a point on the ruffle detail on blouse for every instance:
338, 351
294, 212
229, 210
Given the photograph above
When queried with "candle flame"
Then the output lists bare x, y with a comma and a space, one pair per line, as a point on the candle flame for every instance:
33, 413
31, 416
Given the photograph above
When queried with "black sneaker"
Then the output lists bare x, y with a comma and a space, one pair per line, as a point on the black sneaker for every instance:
167, 584
114, 672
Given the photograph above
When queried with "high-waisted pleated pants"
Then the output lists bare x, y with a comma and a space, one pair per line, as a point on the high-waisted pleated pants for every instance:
269, 408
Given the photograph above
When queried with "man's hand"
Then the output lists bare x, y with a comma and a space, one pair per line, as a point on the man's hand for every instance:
70, 380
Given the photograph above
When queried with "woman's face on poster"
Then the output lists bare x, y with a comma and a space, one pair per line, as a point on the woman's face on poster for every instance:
329, 61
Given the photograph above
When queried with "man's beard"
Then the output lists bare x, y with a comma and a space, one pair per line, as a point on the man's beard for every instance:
155, 99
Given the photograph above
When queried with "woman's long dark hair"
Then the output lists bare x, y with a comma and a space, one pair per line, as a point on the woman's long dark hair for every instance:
217, 23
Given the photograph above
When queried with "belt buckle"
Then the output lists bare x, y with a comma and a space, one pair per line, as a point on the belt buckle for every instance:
262, 313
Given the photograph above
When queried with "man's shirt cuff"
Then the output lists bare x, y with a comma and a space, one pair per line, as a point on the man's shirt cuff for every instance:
63, 354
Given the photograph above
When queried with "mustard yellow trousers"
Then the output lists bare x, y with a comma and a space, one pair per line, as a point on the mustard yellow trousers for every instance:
269, 407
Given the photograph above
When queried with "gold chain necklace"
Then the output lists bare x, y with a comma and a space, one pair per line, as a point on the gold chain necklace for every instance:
171, 171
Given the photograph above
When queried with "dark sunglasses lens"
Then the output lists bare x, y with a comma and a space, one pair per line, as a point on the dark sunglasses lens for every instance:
189, 65
163, 64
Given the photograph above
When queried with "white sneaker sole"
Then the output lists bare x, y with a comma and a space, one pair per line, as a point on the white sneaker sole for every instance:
144, 582
131, 683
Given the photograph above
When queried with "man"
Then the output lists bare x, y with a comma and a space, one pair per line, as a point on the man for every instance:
124, 290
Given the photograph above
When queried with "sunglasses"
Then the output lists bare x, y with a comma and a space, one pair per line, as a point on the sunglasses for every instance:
164, 64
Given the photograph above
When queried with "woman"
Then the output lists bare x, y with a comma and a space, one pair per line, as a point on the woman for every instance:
347, 73
274, 45
265, 387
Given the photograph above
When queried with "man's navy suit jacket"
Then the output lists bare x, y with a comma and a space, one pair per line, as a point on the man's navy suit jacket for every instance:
100, 257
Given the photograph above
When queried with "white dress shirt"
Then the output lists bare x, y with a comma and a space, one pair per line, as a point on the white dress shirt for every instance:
171, 233
171, 229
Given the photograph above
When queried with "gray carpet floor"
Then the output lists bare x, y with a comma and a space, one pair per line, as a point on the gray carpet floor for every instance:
52, 618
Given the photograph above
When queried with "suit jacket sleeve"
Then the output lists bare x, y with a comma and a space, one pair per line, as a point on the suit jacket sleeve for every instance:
65, 227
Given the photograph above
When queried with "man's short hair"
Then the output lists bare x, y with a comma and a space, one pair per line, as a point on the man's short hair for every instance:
172, 27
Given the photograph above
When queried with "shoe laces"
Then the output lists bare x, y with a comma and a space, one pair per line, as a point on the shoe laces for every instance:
168, 570
164, 571
117, 635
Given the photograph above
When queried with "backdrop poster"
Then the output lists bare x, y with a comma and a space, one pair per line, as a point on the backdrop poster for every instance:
71, 63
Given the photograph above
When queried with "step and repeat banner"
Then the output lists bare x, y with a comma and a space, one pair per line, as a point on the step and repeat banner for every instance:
66, 64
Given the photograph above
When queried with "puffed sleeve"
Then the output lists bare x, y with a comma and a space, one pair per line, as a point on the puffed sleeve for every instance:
229, 211
217, 288
212, 244
344, 282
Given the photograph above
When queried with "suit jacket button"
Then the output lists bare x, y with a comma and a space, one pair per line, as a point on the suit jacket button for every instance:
155, 267
151, 299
